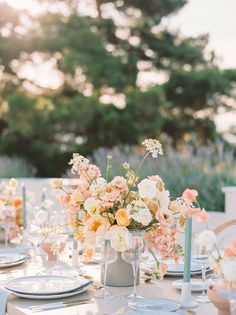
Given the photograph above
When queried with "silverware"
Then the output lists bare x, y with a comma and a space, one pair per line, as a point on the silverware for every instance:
49, 306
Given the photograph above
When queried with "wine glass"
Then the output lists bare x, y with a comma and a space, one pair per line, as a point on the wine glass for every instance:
33, 233
107, 256
133, 255
202, 258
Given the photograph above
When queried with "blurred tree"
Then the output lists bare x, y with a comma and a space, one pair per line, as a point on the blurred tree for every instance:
122, 76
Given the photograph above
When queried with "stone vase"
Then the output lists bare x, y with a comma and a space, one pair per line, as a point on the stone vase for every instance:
119, 273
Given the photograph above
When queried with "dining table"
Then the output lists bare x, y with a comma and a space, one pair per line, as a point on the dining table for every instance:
163, 289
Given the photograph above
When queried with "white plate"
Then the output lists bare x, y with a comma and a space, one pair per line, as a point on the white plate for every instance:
154, 305
8, 259
51, 297
45, 284
196, 284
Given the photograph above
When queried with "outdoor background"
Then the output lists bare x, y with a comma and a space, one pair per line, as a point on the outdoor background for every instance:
98, 77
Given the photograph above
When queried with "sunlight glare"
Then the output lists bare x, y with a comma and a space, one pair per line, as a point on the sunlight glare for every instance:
30, 5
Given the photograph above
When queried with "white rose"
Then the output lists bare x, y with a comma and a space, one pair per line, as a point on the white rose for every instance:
206, 239
41, 216
118, 235
164, 199
142, 216
98, 186
229, 269
147, 189
92, 206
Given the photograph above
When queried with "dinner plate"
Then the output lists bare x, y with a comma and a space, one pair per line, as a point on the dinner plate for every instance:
8, 259
51, 296
45, 284
154, 305
196, 284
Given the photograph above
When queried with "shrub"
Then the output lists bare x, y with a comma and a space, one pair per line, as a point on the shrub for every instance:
15, 167
206, 169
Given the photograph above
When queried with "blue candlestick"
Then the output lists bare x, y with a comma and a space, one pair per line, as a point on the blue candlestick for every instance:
187, 249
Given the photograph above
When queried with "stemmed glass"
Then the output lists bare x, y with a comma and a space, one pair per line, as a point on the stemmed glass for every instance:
34, 237
108, 256
133, 255
202, 258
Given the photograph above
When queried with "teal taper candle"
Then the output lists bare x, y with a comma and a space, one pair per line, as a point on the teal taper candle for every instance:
24, 206
187, 249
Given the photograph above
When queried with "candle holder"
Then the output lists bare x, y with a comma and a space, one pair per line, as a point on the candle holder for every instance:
186, 297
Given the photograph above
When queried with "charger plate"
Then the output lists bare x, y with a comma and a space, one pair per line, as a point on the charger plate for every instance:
45, 284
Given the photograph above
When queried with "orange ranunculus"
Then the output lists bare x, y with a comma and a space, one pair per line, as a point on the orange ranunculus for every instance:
122, 217
17, 202
192, 212
190, 195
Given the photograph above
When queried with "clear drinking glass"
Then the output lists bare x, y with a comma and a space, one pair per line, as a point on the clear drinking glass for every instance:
203, 261
107, 256
134, 255
34, 237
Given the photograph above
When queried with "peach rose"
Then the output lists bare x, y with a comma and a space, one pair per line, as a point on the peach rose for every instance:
190, 195
122, 217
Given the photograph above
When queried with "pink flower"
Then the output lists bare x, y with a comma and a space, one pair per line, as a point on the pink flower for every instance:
202, 216
190, 195
165, 217
89, 172
118, 183
192, 212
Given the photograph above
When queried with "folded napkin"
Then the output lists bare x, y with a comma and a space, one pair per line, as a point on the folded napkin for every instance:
3, 301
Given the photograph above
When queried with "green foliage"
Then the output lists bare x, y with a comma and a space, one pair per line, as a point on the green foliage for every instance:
15, 167
206, 169
97, 56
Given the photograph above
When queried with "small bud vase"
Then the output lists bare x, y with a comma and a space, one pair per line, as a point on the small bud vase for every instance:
119, 273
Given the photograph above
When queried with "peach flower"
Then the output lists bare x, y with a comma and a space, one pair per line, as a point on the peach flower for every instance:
202, 216
190, 195
122, 217
17, 202
192, 212
118, 183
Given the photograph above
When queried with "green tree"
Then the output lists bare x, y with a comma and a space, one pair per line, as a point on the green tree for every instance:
102, 101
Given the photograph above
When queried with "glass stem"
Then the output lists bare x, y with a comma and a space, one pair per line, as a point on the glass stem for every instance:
203, 280
135, 271
105, 278
232, 307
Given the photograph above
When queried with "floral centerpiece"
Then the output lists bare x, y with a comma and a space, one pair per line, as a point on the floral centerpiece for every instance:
10, 208
101, 205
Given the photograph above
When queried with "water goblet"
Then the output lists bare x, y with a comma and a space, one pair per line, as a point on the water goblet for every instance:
107, 256
203, 261
133, 255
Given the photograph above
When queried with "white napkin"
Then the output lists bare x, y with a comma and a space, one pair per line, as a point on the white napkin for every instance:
3, 301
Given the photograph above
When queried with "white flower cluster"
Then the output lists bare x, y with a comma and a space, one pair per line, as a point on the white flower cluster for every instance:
206, 239
139, 212
98, 186
153, 146
148, 189
77, 162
